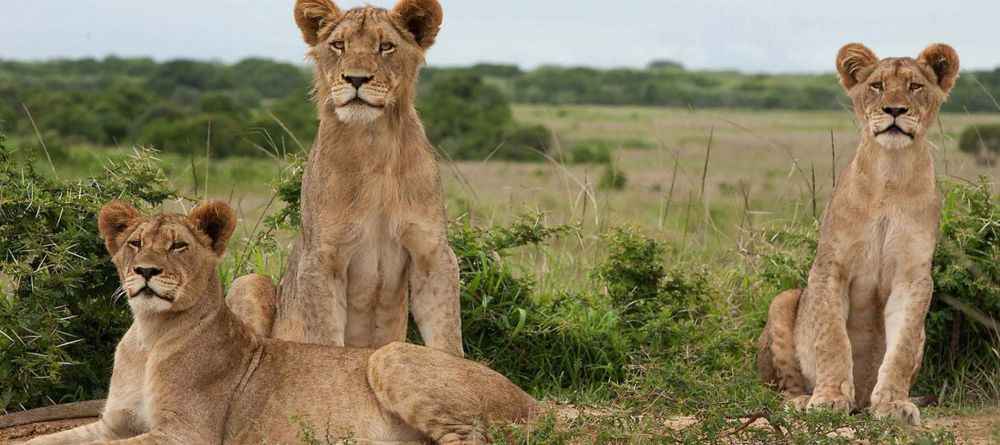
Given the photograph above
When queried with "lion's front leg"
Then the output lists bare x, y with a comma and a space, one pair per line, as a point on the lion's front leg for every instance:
435, 301
904, 335
312, 304
824, 331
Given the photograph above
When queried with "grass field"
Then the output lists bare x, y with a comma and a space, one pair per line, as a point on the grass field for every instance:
761, 161
699, 182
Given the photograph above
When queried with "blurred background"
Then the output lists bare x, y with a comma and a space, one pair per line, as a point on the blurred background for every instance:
620, 94
630, 183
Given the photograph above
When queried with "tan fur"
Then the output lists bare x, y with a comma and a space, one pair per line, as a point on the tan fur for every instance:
373, 245
854, 338
189, 371
253, 298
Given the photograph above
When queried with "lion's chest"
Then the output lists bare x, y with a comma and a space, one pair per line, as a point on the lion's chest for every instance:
377, 285
878, 250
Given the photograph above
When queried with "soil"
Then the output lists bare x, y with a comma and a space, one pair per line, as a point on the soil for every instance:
975, 429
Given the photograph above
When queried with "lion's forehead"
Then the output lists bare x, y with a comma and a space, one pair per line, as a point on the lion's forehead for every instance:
368, 22
163, 228
900, 69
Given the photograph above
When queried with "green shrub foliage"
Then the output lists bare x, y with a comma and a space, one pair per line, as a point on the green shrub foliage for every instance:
59, 320
613, 178
589, 152
963, 346
543, 345
982, 141
468, 118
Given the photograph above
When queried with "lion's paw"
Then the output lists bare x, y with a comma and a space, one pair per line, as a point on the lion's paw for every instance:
468, 438
901, 410
798, 403
833, 402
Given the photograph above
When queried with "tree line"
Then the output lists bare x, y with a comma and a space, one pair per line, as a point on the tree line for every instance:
259, 106
669, 84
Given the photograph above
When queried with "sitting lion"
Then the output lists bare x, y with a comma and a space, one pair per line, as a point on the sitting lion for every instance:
854, 337
189, 371
373, 246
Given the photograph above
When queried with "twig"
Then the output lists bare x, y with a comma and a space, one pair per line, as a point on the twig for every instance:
704, 171
750, 419
670, 194
458, 174
208, 156
40, 140
812, 189
833, 160
974, 314
194, 174
281, 124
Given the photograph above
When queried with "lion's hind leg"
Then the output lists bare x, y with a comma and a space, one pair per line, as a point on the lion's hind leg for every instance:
254, 300
777, 361
451, 400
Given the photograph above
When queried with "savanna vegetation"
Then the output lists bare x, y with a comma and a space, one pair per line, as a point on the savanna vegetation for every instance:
983, 142
622, 278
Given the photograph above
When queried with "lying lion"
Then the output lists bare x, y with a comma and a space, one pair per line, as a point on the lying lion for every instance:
189, 371
855, 337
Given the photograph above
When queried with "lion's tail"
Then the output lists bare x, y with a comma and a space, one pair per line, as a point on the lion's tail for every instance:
777, 361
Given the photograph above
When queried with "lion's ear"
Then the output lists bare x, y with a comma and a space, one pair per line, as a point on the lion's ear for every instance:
217, 220
312, 16
943, 59
114, 220
422, 18
854, 64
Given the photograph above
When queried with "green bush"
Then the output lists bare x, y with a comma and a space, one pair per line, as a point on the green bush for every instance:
569, 342
632, 272
220, 134
590, 152
653, 300
613, 178
981, 141
525, 142
962, 356
464, 116
59, 320
468, 118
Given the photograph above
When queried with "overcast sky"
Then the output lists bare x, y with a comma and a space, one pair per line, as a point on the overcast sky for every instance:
749, 35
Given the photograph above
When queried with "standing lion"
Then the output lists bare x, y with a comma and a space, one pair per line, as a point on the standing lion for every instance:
854, 337
373, 246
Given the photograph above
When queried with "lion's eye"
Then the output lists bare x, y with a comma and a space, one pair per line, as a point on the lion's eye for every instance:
386, 47
180, 245
135, 243
338, 45
916, 87
877, 86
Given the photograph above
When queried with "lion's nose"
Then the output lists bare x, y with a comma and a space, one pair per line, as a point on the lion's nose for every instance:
357, 81
895, 111
148, 272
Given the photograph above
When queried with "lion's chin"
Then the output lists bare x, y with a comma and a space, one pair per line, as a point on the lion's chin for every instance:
358, 113
894, 140
144, 305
